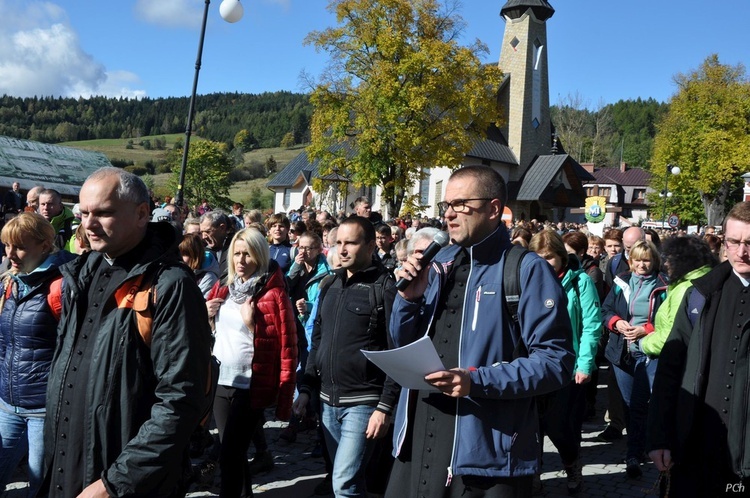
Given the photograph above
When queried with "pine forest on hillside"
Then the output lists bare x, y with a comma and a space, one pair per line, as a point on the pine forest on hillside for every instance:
267, 117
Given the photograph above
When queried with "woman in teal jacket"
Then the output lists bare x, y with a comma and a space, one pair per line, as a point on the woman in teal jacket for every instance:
684, 260
563, 417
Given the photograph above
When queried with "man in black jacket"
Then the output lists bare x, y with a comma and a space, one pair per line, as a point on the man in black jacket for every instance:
698, 425
123, 399
358, 399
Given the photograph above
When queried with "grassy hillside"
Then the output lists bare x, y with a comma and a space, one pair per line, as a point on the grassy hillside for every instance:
117, 149
251, 193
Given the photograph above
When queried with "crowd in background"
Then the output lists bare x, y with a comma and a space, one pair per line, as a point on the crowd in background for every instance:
261, 279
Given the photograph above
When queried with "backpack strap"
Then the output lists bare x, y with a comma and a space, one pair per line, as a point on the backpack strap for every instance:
323, 287
377, 302
139, 294
512, 279
512, 291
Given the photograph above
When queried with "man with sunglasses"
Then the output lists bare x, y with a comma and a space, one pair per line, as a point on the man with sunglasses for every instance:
473, 430
698, 426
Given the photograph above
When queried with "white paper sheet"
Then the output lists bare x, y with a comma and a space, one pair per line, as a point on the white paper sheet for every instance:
409, 364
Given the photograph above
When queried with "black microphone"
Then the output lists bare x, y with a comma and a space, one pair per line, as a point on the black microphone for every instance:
440, 241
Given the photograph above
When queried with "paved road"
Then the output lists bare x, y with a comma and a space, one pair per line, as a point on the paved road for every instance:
296, 474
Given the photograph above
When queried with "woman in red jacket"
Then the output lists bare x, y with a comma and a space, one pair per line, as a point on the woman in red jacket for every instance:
256, 343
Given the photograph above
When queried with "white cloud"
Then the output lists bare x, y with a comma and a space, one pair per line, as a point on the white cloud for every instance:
41, 54
180, 13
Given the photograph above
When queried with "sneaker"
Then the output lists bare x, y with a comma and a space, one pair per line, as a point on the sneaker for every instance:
633, 468
289, 434
575, 477
609, 434
262, 462
325, 487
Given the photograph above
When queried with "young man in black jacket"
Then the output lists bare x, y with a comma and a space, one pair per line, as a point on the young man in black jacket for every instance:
358, 399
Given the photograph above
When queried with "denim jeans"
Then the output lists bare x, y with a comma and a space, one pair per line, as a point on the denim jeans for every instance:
21, 430
635, 380
344, 430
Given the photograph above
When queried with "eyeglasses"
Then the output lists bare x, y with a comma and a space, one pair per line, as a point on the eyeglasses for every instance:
458, 205
735, 244
307, 249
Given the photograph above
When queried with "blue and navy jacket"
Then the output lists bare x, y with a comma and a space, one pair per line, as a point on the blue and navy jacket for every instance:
28, 332
497, 430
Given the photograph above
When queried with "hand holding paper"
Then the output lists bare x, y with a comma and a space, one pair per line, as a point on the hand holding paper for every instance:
410, 364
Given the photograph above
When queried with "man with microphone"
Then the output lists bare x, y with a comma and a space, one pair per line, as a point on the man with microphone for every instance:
473, 430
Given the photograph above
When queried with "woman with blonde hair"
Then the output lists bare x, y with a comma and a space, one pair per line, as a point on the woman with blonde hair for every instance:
30, 305
629, 312
256, 343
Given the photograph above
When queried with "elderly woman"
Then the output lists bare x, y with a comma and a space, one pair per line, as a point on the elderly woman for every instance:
31, 301
256, 343
629, 312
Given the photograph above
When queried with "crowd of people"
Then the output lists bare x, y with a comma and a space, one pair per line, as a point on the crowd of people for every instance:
130, 328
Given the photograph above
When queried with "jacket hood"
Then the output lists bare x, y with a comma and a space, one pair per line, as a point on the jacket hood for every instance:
49, 267
210, 265
272, 279
160, 244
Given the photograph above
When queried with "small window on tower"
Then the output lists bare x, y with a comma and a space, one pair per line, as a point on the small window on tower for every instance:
535, 123
514, 42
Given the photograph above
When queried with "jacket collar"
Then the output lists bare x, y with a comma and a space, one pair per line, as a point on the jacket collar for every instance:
713, 280
487, 252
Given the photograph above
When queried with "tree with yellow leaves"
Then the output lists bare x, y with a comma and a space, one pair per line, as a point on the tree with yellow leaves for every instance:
705, 133
400, 94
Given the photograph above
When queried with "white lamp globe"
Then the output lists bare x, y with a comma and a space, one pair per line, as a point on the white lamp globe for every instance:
676, 170
231, 10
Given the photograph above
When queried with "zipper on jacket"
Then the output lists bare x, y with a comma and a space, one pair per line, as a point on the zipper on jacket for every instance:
476, 309
334, 399
460, 347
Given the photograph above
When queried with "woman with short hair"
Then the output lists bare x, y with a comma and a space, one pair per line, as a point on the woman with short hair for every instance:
30, 306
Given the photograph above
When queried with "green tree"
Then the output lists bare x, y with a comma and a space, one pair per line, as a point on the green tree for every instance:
206, 175
400, 94
705, 133
244, 141
288, 140
271, 165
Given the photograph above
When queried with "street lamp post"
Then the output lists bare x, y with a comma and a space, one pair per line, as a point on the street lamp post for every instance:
673, 170
231, 11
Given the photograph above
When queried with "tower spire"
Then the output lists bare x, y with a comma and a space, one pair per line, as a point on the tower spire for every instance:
516, 8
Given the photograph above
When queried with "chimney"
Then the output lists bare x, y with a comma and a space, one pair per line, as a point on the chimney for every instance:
623, 167
588, 167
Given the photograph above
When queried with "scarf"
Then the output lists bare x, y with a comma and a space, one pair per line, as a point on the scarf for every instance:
240, 291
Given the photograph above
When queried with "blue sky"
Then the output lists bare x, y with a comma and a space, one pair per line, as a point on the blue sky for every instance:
601, 50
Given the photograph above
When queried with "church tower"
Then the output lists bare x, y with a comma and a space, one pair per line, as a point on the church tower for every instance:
525, 96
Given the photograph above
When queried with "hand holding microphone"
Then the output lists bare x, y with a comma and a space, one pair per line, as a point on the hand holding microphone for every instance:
415, 268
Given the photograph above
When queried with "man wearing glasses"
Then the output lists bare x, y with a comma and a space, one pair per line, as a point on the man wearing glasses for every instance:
473, 430
698, 415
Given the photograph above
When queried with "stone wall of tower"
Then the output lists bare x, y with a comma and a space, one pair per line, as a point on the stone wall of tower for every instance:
527, 96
